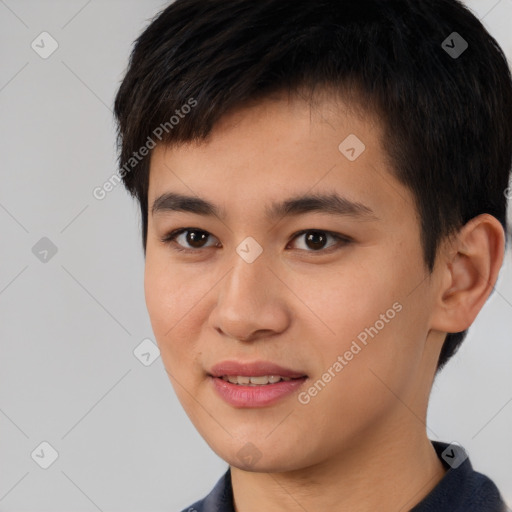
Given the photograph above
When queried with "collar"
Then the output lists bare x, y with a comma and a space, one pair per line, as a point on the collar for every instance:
460, 490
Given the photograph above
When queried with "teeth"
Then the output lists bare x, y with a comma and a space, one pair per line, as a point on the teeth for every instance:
254, 381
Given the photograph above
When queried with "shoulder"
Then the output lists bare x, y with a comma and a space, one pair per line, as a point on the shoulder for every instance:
462, 489
220, 498
481, 494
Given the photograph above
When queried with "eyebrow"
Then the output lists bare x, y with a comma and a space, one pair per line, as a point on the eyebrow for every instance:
333, 204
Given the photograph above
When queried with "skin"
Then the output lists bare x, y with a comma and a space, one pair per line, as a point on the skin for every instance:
361, 443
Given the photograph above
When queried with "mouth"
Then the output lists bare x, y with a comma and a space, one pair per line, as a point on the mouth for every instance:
256, 372
255, 384
263, 380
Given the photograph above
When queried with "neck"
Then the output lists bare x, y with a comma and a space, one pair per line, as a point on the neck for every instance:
388, 471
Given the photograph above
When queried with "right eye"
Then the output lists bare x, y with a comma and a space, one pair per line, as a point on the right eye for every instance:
194, 237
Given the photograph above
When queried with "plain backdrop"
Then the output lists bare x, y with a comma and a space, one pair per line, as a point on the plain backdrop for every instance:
71, 291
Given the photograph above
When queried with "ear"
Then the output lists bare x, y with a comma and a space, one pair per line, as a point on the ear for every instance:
468, 270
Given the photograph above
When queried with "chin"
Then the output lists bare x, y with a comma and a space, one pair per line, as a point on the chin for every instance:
260, 458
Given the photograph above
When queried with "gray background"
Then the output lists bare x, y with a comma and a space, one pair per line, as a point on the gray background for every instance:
69, 326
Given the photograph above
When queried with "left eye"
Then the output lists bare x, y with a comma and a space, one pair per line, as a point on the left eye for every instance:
315, 241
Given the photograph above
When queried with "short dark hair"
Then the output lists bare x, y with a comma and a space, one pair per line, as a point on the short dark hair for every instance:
446, 115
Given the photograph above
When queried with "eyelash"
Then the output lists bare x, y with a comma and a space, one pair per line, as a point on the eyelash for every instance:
170, 239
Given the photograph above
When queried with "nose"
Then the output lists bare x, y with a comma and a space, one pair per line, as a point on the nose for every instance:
251, 302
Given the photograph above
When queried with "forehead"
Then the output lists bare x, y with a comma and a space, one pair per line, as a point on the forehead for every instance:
281, 147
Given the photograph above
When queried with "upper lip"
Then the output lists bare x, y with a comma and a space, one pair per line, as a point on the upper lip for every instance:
253, 369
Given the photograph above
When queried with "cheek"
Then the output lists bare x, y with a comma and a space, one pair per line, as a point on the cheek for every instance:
168, 299
343, 303
170, 292
358, 382
173, 304
176, 298
159, 302
372, 320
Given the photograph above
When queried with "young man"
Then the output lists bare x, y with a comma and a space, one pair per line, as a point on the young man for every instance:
322, 188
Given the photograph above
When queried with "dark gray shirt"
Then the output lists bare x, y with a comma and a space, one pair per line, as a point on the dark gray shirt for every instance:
461, 490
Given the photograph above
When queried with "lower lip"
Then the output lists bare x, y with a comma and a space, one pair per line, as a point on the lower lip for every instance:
255, 396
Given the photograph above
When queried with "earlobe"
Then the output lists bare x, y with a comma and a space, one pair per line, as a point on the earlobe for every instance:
469, 270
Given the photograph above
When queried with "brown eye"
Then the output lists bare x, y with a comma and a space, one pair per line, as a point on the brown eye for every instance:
316, 240
196, 238
188, 239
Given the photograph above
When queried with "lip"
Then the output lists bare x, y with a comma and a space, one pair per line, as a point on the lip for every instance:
255, 396
253, 369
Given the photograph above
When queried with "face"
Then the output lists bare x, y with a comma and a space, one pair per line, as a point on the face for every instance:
336, 291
